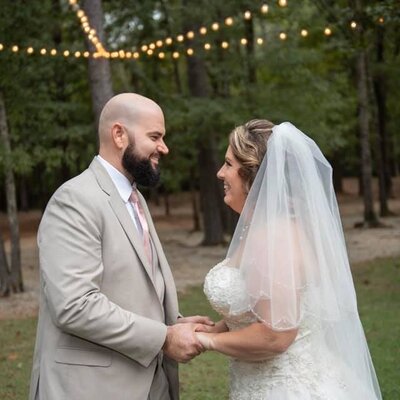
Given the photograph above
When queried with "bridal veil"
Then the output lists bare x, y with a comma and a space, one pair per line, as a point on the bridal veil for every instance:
290, 250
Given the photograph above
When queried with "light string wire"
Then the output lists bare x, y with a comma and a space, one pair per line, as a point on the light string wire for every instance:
161, 47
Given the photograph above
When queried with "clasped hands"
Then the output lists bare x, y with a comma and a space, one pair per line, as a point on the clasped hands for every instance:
188, 338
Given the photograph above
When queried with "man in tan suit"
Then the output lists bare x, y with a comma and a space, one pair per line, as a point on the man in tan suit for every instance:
108, 310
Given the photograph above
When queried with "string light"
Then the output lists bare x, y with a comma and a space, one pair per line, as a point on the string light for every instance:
247, 15
149, 49
228, 21
264, 9
90, 32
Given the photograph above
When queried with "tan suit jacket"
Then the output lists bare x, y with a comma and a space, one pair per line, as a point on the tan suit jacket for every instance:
101, 324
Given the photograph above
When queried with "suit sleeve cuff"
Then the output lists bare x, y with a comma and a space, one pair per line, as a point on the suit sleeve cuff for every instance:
152, 335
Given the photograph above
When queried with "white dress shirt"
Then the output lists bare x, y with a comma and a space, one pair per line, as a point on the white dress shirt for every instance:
123, 186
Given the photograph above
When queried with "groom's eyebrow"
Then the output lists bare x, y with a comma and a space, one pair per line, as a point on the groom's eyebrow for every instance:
155, 133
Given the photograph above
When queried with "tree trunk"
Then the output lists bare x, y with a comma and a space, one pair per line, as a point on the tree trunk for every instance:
337, 172
23, 195
212, 221
209, 192
250, 59
99, 68
195, 206
364, 117
385, 180
370, 218
4, 271
11, 198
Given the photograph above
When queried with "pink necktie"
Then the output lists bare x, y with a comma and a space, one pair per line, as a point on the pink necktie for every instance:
134, 198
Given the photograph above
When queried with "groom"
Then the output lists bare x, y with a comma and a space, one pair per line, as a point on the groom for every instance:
108, 310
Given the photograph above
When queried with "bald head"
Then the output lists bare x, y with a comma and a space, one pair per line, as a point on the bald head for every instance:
132, 127
127, 109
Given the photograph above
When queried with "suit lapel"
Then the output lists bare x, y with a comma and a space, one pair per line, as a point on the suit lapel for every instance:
121, 213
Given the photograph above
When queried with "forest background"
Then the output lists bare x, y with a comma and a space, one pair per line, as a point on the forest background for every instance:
329, 67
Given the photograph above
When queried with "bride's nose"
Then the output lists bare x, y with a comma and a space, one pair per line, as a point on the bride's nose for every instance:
220, 173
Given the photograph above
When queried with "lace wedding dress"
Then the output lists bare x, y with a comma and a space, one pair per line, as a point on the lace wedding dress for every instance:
303, 372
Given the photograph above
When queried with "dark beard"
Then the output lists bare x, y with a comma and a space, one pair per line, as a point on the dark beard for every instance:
140, 169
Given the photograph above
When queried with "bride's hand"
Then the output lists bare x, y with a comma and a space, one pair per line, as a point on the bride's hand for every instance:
206, 339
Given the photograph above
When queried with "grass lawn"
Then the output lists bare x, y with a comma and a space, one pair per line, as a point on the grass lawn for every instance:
205, 378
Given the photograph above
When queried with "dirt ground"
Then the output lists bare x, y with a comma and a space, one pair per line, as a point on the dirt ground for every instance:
190, 261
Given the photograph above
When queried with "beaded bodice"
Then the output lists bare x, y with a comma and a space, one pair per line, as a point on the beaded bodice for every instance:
297, 366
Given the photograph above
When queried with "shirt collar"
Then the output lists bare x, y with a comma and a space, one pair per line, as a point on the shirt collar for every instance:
121, 182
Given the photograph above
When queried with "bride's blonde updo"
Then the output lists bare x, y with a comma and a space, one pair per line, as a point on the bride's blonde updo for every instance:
249, 145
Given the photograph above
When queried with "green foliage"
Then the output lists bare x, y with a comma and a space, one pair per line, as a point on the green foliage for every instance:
308, 81
47, 99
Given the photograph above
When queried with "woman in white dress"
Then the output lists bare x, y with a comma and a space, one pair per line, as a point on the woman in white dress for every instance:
290, 322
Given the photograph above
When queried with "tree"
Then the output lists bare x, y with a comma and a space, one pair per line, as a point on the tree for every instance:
14, 281
379, 90
206, 156
99, 68
364, 117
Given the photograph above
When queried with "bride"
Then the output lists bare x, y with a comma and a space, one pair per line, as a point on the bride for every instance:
290, 321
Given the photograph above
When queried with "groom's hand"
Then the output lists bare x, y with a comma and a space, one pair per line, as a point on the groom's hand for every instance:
196, 319
181, 343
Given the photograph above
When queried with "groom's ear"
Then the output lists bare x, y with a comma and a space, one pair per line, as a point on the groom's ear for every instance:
119, 136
